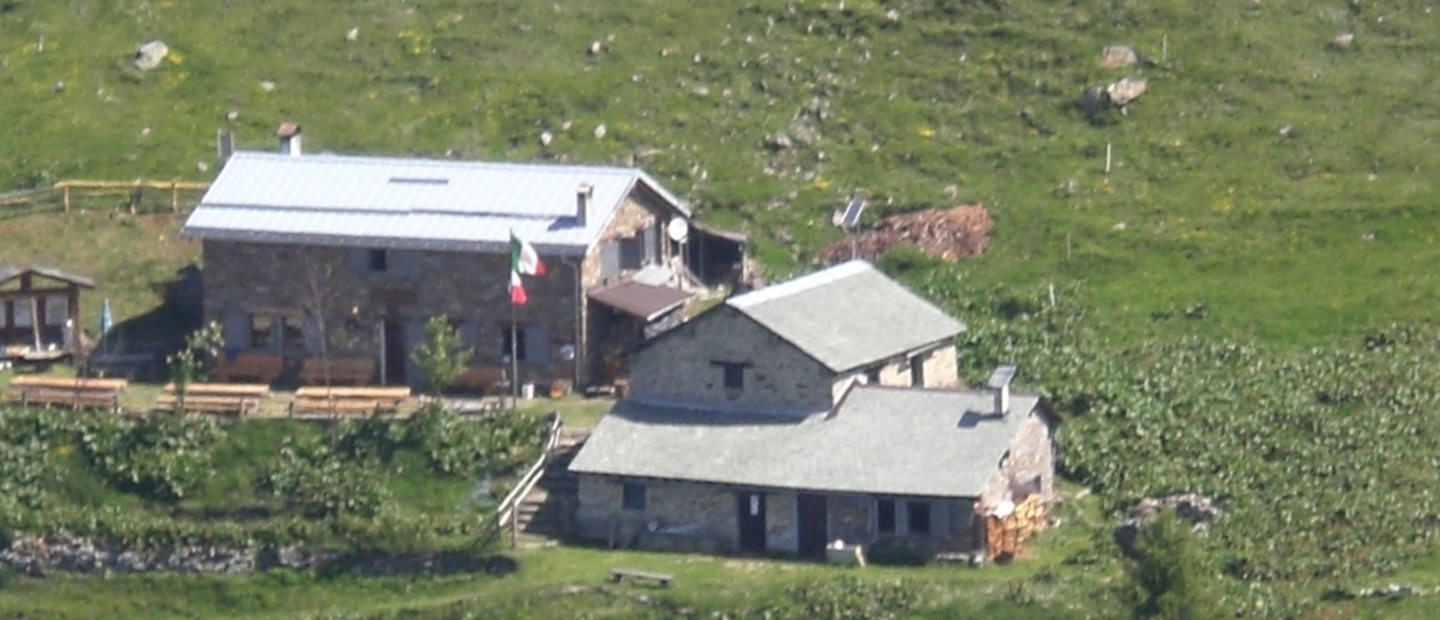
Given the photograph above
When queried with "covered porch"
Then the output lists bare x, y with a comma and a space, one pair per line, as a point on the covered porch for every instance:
40, 314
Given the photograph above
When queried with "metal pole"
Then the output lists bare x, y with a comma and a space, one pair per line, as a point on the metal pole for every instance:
514, 362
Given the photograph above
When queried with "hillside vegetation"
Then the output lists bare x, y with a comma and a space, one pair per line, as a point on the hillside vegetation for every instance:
1275, 179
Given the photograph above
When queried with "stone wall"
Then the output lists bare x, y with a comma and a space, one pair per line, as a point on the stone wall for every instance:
942, 368
470, 288
688, 516
1028, 467
683, 363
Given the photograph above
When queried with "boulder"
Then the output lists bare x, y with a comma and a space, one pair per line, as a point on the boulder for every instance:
1125, 91
1118, 57
150, 54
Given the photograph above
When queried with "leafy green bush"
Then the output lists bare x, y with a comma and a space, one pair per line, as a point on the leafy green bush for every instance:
312, 478
1170, 579
162, 457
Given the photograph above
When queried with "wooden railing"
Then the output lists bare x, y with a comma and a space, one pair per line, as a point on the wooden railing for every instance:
135, 189
506, 513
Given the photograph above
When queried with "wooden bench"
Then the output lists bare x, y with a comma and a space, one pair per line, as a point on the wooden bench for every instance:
620, 574
249, 368
354, 371
73, 393
481, 380
348, 400
237, 398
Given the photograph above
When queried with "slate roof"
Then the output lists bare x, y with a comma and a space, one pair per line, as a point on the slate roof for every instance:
14, 271
882, 440
848, 315
410, 203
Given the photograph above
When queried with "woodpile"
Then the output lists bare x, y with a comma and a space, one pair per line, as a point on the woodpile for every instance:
1006, 529
947, 234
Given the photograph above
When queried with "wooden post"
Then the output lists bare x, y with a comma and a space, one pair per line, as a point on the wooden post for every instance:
174, 196
66, 194
35, 321
1107, 158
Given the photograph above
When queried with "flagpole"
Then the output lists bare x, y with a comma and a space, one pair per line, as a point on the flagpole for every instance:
514, 363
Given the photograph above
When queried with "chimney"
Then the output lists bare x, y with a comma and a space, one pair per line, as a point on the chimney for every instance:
289, 139
584, 197
1000, 382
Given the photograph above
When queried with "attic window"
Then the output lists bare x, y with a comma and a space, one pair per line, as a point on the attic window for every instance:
734, 374
419, 181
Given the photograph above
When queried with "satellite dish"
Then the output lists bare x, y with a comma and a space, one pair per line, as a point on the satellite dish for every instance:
678, 229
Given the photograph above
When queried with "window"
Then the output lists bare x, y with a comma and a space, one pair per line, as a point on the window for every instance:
917, 371
292, 334
734, 374
21, 308
379, 261
885, 516
519, 334
57, 310
634, 496
261, 331
917, 517
872, 376
4, 314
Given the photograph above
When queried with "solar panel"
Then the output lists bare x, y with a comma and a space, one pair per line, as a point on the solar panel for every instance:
852, 213
1001, 377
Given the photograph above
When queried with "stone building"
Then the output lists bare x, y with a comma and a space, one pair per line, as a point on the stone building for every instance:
826, 408
308, 255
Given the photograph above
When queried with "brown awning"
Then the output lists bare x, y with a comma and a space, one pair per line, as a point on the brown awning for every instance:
640, 300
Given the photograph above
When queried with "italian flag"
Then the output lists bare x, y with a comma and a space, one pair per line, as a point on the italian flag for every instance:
523, 260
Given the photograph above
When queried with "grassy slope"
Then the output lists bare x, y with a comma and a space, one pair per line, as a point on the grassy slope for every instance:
1220, 208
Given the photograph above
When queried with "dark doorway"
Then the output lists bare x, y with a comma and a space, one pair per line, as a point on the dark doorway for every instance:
394, 352
814, 531
752, 522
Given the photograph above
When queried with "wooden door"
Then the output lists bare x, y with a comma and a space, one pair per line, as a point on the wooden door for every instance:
395, 348
751, 509
813, 518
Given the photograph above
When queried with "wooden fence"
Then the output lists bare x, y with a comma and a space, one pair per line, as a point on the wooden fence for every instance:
137, 196
507, 513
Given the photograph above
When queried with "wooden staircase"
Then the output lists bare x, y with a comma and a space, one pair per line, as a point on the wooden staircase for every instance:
548, 512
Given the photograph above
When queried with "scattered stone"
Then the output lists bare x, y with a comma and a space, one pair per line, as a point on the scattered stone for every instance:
545, 138
150, 54
1119, 226
59, 86
1118, 57
698, 58
1125, 91
267, 85
892, 15
1197, 510
1343, 41
1285, 131
232, 115
778, 142
600, 131
702, 91
565, 126
947, 234
352, 34
594, 48
202, 166
145, 131
1367, 236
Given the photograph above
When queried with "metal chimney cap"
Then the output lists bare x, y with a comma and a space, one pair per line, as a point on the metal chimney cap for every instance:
1001, 377
288, 130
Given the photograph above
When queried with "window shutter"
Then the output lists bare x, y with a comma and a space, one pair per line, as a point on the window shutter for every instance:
236, 329
609, 260
652, 245
359, 260
632, 253
313, 344
537, 345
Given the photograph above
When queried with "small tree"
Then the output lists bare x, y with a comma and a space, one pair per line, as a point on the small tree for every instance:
442, 357
1171, 579
188, 365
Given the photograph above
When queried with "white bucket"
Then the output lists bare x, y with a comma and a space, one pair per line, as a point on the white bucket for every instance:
527, 391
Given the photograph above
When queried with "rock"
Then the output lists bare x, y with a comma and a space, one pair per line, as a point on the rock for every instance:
545, 138
1343, 41
600, 131
232, 115
1118, 57
778, 142
947, 234
892, 15
59, 85
804, 135
150, 54
1125, 91
594, 48
702, 91
1119, 226
352, 34
267, 85
1199, 511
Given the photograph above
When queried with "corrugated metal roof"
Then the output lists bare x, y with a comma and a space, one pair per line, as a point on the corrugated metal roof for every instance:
410, 203
848, 315
887, 441
641, 300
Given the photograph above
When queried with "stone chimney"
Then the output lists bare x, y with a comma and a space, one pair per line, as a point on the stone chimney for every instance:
1000, 383
584, 202
289, 139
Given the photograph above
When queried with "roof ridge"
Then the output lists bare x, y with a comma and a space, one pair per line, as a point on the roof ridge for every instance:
801, 284
432, 161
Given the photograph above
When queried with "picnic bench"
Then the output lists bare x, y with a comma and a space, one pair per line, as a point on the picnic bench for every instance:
481, 380
335, 401
74, 393
237, 398
620, 574
248, 368
353, 371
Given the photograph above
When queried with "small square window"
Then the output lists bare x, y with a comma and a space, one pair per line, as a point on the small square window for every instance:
379, 261
885, 516
634, 496
261, 329
734, 375
917, 371
57, 310
918, 518
22, 312
292, 335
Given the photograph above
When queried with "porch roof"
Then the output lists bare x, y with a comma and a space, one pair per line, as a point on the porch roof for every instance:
12, 272
880, 440
640, 300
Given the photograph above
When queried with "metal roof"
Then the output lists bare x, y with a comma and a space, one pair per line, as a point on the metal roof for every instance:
882, 440
14, 271
640, 300
848, 316
411, 203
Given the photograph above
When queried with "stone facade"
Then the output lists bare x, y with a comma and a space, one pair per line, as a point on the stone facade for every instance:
694, 516
689, 363
1029, 466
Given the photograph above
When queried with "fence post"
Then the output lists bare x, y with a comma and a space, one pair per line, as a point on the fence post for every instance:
174, 196
66, 193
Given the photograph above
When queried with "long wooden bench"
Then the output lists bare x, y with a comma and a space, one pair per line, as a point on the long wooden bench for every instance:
337, 401
481, 380
620, 574
237, 398
351, 371
248, 368
73, 393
